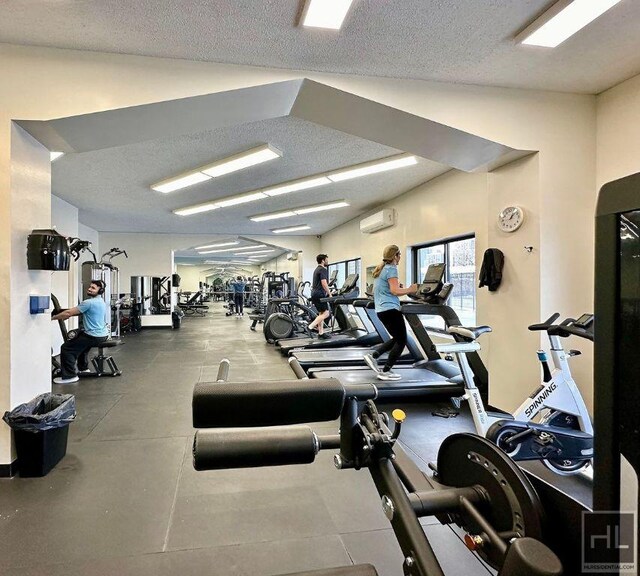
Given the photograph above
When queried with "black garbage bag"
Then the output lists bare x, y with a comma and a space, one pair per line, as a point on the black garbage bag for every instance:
44, 412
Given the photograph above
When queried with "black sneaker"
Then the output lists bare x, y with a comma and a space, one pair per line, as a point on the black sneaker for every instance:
324, 337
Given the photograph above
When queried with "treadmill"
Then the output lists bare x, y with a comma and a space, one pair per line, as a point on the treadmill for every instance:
358, 333
354, 355
430, 376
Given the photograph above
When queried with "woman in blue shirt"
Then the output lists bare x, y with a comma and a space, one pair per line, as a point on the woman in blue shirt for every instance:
386, 290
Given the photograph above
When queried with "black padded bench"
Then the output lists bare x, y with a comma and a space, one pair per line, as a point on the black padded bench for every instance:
101, 359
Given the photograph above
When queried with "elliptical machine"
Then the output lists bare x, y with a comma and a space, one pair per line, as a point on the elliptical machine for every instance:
562, 434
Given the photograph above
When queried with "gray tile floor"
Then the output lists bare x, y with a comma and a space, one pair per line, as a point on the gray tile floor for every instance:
126, 500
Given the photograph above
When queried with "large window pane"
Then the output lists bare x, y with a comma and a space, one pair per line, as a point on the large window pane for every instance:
459, 257
426, 256
461, 272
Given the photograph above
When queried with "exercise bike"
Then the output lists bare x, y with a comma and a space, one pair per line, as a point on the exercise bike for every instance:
552, 424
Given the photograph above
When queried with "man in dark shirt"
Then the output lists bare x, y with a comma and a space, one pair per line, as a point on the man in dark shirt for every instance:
320, 289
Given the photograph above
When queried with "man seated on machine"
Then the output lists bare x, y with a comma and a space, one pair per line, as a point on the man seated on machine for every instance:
94, 333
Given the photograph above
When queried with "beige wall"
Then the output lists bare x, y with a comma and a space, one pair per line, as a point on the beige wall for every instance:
619, 131
560, 126
282, 264
457, 204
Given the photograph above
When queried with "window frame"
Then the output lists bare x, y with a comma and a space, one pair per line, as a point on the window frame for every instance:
445, 242
345, 264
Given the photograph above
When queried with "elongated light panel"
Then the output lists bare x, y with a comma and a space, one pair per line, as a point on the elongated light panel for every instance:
242, 161
325, 13
290, 229
567, 22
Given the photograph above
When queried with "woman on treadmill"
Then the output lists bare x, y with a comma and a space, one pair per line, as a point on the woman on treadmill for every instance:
386, 290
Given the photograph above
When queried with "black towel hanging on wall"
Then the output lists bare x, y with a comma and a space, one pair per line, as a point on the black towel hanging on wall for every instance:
491, 271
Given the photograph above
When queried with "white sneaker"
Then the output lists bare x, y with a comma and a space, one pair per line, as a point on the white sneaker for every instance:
86, 371
371, 362
389, 375
65, 380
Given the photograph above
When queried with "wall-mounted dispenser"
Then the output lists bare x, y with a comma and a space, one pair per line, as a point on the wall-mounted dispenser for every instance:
47, 250
38, 304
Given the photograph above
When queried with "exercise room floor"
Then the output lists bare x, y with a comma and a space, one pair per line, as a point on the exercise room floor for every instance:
126, 501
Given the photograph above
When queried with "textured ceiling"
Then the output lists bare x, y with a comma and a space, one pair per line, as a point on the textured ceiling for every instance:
463, 41
113, 157
111, 187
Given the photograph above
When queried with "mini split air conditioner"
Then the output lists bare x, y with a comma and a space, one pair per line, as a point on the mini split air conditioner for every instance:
377, 221
292, 256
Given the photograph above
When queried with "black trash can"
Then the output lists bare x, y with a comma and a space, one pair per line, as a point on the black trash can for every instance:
176, 319
41, 428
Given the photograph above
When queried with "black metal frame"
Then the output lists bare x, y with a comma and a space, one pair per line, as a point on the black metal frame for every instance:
614, 414
443, 241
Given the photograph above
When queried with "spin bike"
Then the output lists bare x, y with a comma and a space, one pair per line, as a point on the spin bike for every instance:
552, 424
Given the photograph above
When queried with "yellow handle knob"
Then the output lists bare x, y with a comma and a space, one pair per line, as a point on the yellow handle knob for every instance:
398, 415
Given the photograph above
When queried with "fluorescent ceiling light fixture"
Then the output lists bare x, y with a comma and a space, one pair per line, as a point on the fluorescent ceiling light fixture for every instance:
234, 249
55, 155
297, 211
290, 229
322, 207
240, 199
372, 168
219, 168
273, 216
196, 209
217, 245
251, 247
325, 13
297, 185
305, 183
255, 252
241, 161
172, 184
563, 20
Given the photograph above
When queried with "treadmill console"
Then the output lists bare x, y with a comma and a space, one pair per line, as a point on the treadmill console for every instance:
432, 283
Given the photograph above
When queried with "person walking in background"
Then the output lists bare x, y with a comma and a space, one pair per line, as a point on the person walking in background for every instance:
386, 290
238, 294
320, 289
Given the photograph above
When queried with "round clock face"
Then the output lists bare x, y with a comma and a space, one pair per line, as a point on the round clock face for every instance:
511, 218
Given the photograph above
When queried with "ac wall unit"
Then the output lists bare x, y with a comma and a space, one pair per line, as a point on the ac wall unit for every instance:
292, 256
377, 221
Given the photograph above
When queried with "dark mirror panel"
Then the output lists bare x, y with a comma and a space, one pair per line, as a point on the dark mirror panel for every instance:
628, 364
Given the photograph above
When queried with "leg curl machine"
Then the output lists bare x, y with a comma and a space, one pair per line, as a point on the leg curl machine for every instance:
475, 485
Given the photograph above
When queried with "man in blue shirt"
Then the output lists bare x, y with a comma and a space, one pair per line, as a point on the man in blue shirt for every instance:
94, 332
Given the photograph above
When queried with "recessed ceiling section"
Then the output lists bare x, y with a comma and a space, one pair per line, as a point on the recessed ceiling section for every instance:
460, 41
321, 131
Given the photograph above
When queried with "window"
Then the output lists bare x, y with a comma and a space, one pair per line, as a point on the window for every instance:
459, 255
345, 268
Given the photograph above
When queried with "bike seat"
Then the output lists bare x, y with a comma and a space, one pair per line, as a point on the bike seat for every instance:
469, 333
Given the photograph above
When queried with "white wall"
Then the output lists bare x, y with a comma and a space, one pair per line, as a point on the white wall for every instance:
28, 372
64, 218
560, 126
150, 254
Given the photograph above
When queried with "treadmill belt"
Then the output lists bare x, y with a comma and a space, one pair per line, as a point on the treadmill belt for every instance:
415, 382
